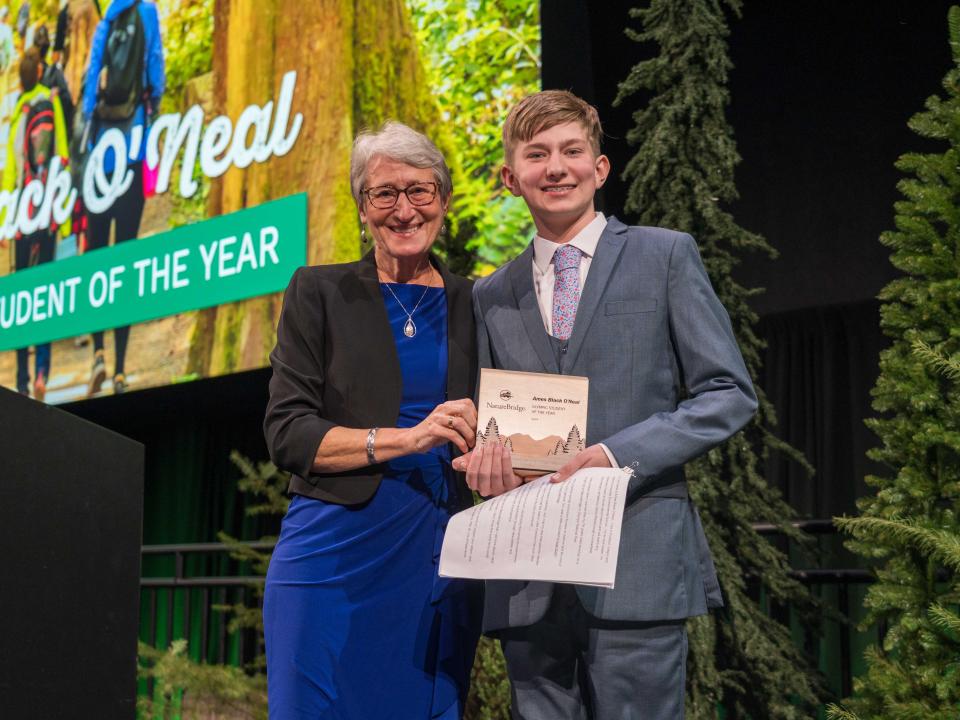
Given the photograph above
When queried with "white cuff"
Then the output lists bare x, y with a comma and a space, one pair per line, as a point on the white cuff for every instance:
610, 457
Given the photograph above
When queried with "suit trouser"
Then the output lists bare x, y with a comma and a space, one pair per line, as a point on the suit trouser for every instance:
573, 666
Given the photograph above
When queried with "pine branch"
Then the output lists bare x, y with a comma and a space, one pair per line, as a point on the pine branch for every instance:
953, 27
945, 619
949, 367
180, 680
263, 481
942, 544
835, 712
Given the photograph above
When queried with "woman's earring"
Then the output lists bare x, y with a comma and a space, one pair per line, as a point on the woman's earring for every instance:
443, 229
363, 234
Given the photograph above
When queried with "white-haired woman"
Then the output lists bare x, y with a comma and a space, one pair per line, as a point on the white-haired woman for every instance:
373, 373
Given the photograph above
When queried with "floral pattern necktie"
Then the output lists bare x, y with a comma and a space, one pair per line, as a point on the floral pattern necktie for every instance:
566, 289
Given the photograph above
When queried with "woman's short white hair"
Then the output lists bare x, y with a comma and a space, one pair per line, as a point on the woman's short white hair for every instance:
400, 143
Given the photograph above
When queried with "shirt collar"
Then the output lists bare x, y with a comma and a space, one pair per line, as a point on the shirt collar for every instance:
586, 240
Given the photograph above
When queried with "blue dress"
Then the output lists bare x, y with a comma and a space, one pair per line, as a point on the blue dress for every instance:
358, 624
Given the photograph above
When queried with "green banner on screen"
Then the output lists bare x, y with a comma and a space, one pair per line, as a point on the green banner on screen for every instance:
231, 257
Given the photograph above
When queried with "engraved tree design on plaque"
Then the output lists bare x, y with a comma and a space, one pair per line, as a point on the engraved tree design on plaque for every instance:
574, 443
492, 433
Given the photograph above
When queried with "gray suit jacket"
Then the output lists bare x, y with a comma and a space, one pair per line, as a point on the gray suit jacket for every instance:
667, 383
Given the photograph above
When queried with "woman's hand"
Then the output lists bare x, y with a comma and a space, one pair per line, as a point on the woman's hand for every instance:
453, 421
346, 448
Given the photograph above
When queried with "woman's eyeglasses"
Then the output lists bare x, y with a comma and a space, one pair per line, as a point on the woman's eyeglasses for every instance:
384, 197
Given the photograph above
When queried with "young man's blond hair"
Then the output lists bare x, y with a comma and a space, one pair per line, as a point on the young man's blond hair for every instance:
544, 110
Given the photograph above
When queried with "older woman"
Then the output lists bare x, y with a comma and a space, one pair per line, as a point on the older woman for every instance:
372, 373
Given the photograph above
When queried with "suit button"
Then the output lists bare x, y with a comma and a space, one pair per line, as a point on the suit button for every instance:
563, 349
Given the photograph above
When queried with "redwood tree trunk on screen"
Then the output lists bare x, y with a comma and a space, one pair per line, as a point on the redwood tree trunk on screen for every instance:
255, 43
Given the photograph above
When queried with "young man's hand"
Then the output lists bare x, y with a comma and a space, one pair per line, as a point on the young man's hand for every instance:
489, 470
593, 456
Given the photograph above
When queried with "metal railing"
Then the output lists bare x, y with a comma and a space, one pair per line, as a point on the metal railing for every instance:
187, 600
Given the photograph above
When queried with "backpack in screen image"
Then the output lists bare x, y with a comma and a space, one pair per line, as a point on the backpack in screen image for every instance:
121, 79
38, 143
38, 139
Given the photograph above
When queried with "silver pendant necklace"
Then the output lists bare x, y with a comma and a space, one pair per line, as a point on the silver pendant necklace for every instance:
409, 327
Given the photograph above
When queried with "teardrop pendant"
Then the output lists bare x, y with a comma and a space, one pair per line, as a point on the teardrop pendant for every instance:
409, 329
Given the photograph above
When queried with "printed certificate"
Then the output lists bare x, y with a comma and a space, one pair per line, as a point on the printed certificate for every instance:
540, 417
557, 532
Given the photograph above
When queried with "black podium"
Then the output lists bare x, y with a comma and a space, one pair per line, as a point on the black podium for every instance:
71, 503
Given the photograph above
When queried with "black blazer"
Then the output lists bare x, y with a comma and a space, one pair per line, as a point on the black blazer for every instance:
335, 363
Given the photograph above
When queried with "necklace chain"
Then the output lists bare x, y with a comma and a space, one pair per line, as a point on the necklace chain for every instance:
409, 327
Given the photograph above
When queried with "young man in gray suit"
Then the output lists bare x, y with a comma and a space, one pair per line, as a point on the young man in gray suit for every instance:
632, 309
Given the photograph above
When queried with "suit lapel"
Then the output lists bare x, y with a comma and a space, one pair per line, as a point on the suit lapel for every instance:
521, 278
604, 261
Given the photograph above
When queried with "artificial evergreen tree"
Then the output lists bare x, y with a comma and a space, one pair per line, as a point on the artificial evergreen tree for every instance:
911, 526
682, 177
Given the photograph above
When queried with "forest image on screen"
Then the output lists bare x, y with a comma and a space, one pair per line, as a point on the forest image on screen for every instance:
168, 165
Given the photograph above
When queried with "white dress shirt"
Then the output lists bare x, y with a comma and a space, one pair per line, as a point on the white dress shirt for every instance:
544, 277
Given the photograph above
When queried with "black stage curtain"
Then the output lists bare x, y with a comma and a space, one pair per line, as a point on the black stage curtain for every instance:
189, 431
819, 367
